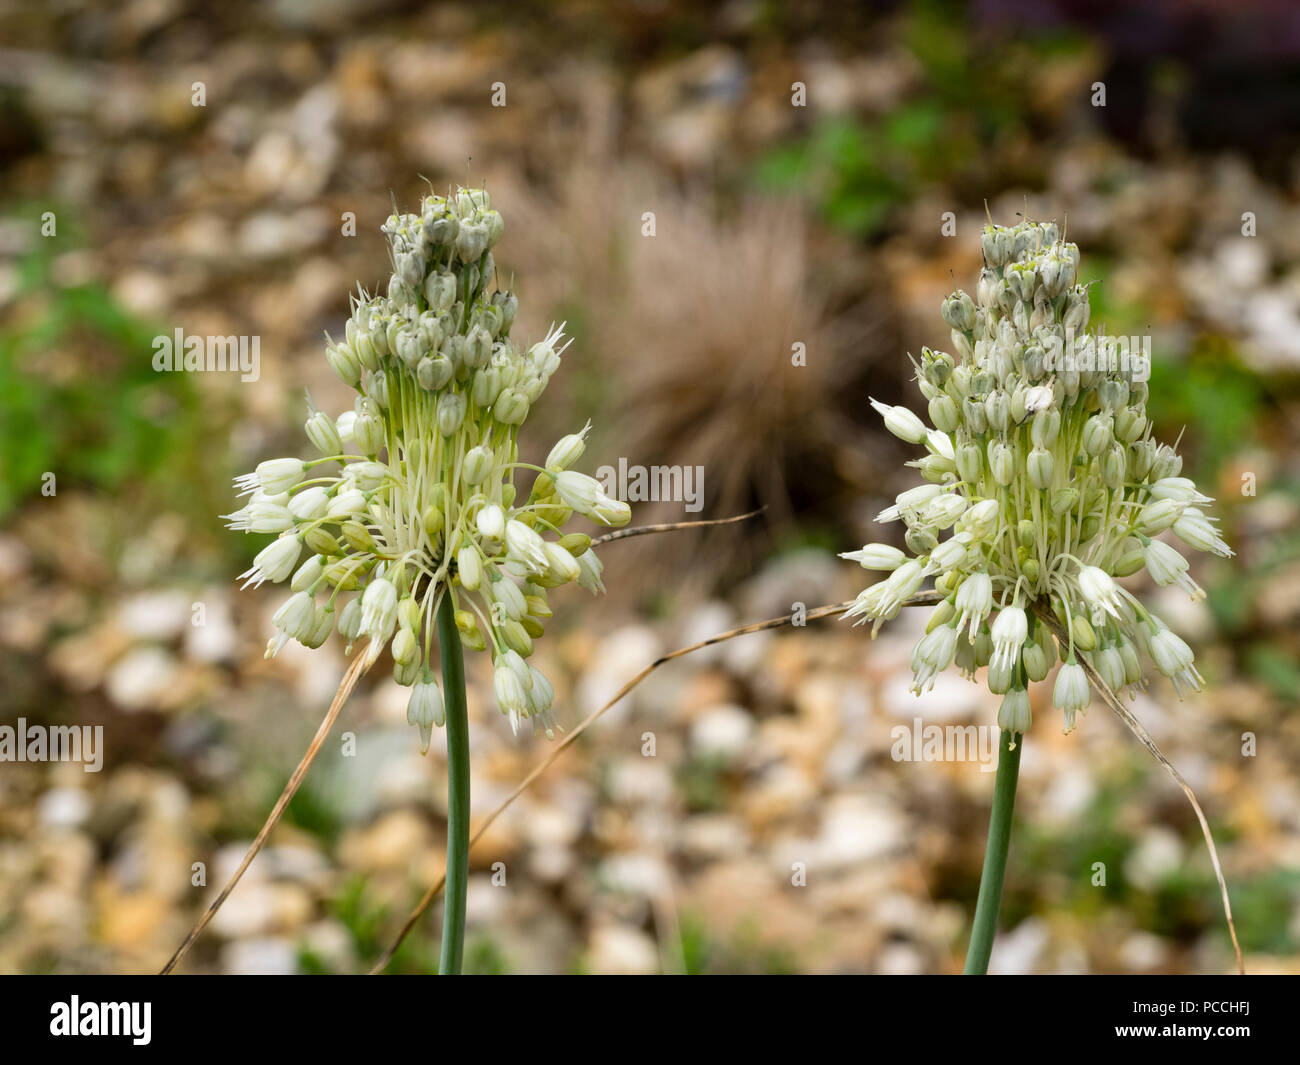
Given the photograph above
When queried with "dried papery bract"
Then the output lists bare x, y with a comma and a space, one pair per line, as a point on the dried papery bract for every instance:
1042, 488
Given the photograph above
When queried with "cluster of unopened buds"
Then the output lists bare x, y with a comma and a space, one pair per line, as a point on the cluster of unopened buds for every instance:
1041, 473
413, 493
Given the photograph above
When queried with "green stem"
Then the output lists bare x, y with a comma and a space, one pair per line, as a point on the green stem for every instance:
995, 856
453, 690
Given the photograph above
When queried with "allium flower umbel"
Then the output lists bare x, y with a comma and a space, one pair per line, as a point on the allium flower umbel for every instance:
413, 493
1042, 487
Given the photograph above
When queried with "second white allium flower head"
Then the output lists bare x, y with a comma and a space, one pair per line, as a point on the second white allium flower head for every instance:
413, 495
1042, 468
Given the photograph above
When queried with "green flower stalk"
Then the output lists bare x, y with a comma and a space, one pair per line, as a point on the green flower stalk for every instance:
413, 496
410, 516
1041, 472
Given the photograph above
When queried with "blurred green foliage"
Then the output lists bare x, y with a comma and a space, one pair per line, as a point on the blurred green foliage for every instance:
79, 397
371, 927
1215, 396
1179, 907
742, 953
856, 172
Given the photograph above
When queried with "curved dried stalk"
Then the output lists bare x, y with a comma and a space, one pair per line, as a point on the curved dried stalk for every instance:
359, 665
671, 526
1143, 737
920, 599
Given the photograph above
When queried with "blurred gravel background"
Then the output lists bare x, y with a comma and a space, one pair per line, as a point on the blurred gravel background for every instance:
776, 225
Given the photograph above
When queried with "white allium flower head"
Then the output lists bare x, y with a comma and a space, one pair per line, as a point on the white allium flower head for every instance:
414, 493
1042, 463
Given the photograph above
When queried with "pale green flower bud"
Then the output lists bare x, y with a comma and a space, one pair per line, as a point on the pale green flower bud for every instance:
368, 433
1023, 280
508, 303
958, 386
1063, 500
478, 347
986, 289
409, 614
920, 539
296, 618
958, 310
1129, 562
366, 476
1035, 661
935, 468
1014, 714
511, 408
948, 555
1167, 463
1041, 467
1002, 462
434, 372
876, 556
981, 520
1077, 311
1112, 394
944, 413
487, 387
1140, 456
451, 412
409, 348
405, 647
1098, 433
1158, 516
344, 363
309, 574
479, 462
1113, 465
1002, 675
1084, 637
901, 422
379, 609
1128, 654
323, 434
997, 244
998, 409
942, 614
1108, 663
